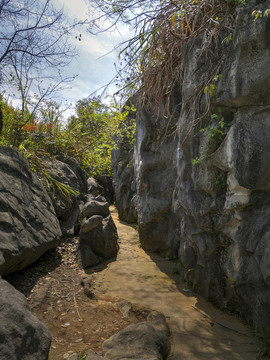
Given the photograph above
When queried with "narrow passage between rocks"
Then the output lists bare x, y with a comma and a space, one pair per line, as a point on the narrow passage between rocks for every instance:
199, 330
81, 318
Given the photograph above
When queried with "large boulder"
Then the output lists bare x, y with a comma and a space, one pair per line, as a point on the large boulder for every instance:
61, 173
149, 340
22, 335
101, 186
68, 184
96, 207
93, 187
28, 224
98, 234
106, 183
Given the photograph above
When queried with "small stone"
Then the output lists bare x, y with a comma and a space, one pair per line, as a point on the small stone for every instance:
124, 307
78, 340
66, 324
73, 356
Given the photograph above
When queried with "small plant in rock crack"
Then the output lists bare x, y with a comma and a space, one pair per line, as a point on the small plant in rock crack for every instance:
211, 87
258, 13
216, 132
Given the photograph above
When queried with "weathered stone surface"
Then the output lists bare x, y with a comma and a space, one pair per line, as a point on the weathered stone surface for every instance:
67, 171
144, 184
124, 186
98, 235
81, 180
99, 243
216, 212
147, 340
63, 173
28, 224
22, 335
102, 186
96, 207
90, 223
124, 307
93, 187
223, 201
106, 183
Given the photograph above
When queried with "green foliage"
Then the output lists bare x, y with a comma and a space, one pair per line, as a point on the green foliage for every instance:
94, 127
198, 159
209, 88
227, 39
216, 132
87, 137
258, 13
65, 189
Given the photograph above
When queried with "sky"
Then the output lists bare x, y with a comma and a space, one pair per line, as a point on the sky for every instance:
94, 65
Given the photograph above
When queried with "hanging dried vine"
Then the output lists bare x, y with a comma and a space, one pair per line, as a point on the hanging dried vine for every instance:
154, 59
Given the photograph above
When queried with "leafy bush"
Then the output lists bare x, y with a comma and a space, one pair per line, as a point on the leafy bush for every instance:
86, 136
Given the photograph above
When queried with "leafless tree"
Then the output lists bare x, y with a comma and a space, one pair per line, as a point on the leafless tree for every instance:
35, 47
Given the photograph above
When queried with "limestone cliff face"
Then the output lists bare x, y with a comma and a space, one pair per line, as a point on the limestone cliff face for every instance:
214, 213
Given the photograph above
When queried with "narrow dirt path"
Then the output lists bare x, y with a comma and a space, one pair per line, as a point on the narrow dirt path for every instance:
199, 331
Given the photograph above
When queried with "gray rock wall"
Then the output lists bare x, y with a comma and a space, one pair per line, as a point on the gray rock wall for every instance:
28, 223
214, 213
154, 174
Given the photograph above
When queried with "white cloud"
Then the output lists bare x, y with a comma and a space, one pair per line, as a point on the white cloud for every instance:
95, 62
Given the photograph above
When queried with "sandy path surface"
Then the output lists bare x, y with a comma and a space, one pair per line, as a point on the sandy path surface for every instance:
199, 331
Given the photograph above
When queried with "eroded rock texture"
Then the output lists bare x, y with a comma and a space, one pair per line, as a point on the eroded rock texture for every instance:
149, 340
214, 212
28, 223
67, 172
22, 335
98, 234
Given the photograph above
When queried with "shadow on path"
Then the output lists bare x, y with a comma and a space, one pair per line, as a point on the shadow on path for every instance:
199, 330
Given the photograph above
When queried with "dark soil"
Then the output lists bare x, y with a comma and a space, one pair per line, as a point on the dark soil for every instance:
78, 319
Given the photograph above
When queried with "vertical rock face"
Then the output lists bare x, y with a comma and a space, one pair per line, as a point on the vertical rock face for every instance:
214, 211
123, 173
154, 173
28, 224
